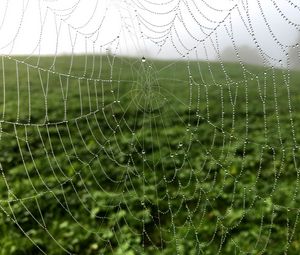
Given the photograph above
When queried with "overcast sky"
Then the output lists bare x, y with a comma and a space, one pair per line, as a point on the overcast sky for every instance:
156, 28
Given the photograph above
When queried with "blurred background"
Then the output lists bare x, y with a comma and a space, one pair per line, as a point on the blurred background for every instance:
258, 30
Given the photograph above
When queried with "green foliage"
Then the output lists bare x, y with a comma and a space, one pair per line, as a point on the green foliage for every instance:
150, 161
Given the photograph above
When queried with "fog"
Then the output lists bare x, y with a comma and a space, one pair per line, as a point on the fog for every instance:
253, 31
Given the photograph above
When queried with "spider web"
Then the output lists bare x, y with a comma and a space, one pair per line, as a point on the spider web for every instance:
125, 130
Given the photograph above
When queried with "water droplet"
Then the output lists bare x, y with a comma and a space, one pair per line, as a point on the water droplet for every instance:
143, 59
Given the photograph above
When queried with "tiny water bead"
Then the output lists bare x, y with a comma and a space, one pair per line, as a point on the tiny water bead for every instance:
143, 59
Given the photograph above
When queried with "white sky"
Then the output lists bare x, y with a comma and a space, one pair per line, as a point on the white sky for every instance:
157, 28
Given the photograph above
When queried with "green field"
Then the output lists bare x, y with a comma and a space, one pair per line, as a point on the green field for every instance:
108, 155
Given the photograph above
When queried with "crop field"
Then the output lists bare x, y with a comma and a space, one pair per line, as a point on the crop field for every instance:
114, 155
